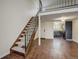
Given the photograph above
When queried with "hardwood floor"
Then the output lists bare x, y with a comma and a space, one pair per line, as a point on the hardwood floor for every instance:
50, 49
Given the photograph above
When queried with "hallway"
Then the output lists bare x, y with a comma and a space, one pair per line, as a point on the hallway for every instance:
50, 49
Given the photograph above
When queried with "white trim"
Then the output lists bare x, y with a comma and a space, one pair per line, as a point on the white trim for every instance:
69, 39
59, 11
75, 41
4, 54
39, 40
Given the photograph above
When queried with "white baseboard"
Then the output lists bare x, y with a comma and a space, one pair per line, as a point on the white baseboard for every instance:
75, 41
48, 38
1, 56
69, 39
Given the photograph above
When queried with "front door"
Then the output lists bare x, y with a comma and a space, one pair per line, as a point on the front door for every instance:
68, 29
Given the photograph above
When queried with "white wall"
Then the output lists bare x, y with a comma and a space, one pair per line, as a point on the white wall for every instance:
75, 30
47, 30
14, 15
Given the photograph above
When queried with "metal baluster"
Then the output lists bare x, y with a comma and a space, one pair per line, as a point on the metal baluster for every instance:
25, 45
27, 38
28, 34
71, 2
57, 3
62, 3
76, 1
67, 3
34, 23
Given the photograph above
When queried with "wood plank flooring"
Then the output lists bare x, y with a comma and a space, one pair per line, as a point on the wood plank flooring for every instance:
50, 49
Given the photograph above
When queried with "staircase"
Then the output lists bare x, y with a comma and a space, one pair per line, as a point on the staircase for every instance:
23, 42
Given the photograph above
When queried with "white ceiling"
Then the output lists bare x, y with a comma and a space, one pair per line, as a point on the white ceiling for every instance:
62, 16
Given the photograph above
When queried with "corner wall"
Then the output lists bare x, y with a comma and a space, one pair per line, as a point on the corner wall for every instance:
75, 30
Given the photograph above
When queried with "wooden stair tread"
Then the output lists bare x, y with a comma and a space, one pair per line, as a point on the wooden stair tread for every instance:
21, 35
21, 38
26, 28
20, 43
28, 24
24, 31
23, 46
18, 40
19, 49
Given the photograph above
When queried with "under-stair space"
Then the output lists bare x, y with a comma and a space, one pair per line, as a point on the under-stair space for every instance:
20, 46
